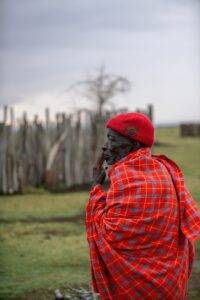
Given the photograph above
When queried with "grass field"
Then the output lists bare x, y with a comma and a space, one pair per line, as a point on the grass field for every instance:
43, 242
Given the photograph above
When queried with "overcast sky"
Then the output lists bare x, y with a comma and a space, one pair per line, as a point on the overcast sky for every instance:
46, 45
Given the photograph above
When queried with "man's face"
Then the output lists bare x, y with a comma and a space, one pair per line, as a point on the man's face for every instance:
116, 147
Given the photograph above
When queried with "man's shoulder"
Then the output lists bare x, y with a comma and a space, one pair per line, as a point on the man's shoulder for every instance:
147, 165
130, 165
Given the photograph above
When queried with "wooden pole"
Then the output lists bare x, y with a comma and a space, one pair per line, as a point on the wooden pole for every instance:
5, 114
150, 109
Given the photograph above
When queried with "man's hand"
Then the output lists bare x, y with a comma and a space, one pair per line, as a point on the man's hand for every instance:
99, 173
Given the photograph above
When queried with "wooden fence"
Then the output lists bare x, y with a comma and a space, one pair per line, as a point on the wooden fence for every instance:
57, 154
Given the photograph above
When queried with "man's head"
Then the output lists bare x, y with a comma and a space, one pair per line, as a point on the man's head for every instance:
118, 146
127, 132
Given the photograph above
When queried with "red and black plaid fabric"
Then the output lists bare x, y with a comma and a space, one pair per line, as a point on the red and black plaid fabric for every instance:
141, 232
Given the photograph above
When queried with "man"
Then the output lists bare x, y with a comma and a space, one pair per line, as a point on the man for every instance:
141, 232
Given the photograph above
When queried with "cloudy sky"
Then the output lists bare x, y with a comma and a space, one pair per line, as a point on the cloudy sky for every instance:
46, 45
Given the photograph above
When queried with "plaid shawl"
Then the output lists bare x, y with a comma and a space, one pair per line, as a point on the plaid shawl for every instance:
141, 232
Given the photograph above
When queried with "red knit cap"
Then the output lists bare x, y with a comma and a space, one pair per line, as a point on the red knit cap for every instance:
135, 126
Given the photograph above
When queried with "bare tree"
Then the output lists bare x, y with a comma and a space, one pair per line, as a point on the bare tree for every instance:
102, 87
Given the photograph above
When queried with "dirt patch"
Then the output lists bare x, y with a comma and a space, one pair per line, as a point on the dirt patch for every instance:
49, 294
51, 232
30, 219
42, 294
194, 283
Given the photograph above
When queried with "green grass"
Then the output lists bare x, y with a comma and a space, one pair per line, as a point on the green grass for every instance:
42, 255
185, 152
36, 257
42, 205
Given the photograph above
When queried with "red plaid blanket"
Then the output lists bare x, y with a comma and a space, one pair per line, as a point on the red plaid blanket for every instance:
141, 232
